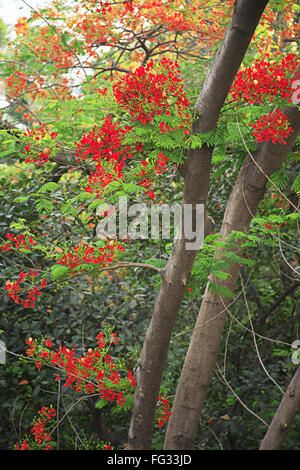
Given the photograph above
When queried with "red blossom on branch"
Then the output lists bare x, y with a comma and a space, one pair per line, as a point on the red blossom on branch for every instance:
265, 81
85, 254
94, 372
272, 127
166, 411
146, 93
13, 289
40, 436
38, 134
21, 242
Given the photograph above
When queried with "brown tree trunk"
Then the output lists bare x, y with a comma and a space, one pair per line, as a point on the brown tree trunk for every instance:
284, 416
197, 170
204, 346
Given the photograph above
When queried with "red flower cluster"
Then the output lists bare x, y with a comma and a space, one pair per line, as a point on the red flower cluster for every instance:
93, 29
38, 134
266, 81
291, 65
21, 26
39, 432
21, 242
105, 142
272, 127
260, 82
23, 446
95, 372
145, 94
13, 289
105, 146
147, 173
50, 47
40, 435
178, 21
20, 83
167, 413
131, 379
85, 254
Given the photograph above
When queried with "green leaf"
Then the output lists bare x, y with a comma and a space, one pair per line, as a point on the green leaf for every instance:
7, 152
69, 210
196, 141
64, 38
82, 197
51, 186
95, 204
221, 274
58, 271
279, 179
18, 225
234, 258
157, 263
21, 198
293, 216
219, 243
221, 290
100, 404
296, 184
44, 205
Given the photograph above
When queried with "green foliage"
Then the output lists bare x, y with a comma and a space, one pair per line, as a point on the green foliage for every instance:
296, 184
48, 187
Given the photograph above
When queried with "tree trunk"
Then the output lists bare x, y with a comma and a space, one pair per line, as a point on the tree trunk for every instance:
196, 170
284, 416
204, 346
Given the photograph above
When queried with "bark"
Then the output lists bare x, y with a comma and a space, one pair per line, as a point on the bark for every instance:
204, 346
196, 170
284, 416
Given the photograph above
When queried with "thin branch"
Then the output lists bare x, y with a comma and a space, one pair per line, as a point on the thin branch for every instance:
255, 343
238, 398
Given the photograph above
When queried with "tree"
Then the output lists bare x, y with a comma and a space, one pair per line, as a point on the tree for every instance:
143, 128
196, 169
203, 350
284, 416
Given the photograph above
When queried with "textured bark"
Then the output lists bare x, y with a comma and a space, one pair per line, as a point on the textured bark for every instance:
284, 416
204, 346
196, 172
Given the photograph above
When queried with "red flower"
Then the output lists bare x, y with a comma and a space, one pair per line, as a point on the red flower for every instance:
272, 127
266, 81
146, 93
48, 343
167, 413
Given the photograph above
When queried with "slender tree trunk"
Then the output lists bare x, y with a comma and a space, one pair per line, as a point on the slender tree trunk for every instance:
196, 170
204, 346
284, 416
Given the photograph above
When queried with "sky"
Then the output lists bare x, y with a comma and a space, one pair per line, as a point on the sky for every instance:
11, 10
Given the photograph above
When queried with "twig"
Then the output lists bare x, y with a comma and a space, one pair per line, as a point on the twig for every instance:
238, 398
255, 343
